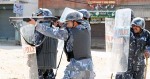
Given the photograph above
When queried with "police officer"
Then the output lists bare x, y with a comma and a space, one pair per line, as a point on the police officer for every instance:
139, 49
77, 46
86, 14
47, 51
86, 18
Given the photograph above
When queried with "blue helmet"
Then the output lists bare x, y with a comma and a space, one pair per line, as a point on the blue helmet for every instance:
138, 22
85, 13
76, 16
44, 12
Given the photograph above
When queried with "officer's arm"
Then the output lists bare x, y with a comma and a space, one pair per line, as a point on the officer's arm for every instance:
52, 32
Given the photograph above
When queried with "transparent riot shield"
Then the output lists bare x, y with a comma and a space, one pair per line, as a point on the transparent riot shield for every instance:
109, 25
27, 31
117, 42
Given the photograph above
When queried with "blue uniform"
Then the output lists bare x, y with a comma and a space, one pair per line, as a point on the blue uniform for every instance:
77, 69
139, 43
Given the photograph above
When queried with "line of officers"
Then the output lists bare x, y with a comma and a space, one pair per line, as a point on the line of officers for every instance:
76, 33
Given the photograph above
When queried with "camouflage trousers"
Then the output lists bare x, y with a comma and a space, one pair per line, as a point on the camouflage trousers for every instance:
79, 69
134, 73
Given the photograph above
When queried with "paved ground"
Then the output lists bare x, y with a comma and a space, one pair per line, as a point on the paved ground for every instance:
13, 64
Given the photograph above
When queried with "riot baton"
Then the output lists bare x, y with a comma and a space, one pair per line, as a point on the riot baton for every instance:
146, 68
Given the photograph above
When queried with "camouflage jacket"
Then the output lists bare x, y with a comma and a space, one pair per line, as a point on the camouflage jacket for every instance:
139, 43
62, 33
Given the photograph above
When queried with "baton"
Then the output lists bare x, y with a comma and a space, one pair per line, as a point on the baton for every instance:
146, 68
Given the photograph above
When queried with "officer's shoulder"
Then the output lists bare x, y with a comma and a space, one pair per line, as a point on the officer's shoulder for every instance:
146, 31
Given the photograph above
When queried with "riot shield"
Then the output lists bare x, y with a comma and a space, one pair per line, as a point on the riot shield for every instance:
109, 25
27, 32
117, 40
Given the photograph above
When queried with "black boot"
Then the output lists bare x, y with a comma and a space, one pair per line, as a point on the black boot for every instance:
118, 76
40, 73
49, 74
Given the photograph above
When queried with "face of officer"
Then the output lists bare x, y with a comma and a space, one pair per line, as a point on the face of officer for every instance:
136, 29
71, 24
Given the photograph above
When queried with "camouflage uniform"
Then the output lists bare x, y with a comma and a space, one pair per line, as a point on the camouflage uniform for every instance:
77, 68
86, 17
47, 51
139, 43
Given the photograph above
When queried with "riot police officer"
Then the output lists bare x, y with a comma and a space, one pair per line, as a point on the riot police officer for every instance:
77, 46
